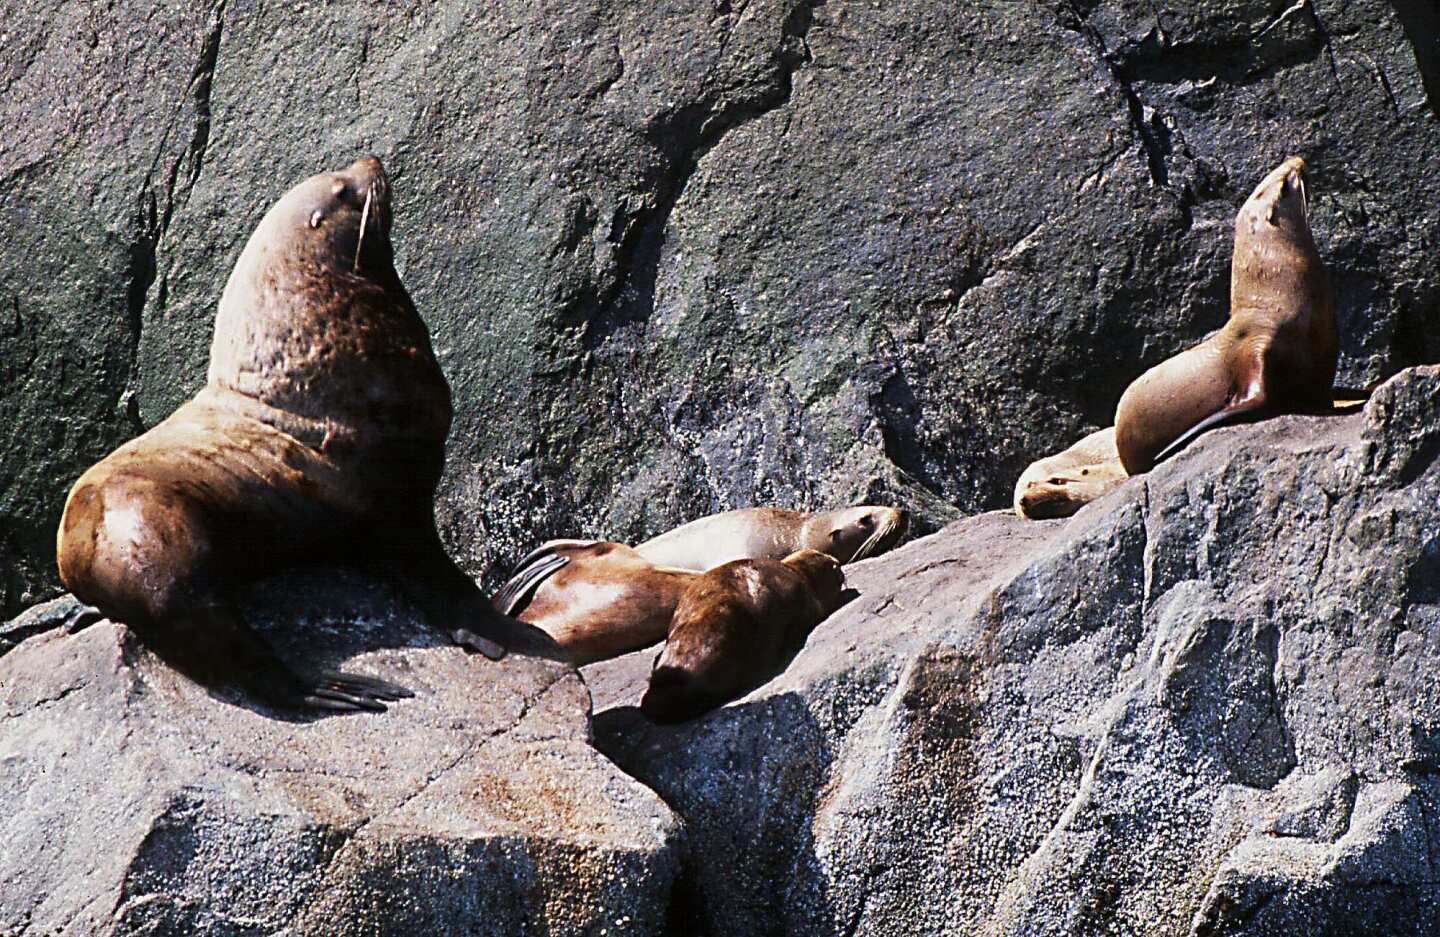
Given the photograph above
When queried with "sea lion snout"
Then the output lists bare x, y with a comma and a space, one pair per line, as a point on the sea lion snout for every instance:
367, 173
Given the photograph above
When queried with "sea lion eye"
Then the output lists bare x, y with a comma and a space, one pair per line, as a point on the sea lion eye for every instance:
338, 189
316, 217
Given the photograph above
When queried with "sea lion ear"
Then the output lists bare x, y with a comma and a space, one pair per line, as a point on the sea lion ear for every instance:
835, 535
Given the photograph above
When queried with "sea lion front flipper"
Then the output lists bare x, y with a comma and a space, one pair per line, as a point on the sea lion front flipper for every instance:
348, 692
233, 655
1251, 404
1239, 413
373, 687
525, 579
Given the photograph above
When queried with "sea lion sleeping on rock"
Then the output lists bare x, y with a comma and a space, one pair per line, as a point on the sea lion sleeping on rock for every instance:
1277, 352
848, 534
318, 439
597, 599
1059, 485
735, 627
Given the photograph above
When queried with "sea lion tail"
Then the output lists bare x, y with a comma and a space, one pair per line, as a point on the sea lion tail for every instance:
526, 577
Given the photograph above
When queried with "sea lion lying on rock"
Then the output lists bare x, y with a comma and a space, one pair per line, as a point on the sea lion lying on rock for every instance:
735, 627
1059, 485
848, 534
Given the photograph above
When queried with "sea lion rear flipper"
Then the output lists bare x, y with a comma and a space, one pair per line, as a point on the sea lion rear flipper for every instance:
527, 576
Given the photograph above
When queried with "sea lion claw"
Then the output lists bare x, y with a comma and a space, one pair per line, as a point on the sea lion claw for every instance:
82, 618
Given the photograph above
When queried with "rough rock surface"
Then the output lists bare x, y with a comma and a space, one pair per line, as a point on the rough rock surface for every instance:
1205, 705
134, 802
682, 257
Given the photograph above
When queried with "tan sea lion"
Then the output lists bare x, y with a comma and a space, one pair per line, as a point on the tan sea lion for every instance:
1059, 485
318, 439
1277, 352
848, 534
737, 626
597, 599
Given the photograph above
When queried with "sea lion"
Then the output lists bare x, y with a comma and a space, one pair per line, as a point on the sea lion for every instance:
318, 439
1277, 352
597, 599
737, 626
848, 534
1059, 485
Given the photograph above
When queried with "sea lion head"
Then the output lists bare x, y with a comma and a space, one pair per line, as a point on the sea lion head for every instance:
1064, 491
315, 322
823, 572
330, 232
852, 534
1278, 204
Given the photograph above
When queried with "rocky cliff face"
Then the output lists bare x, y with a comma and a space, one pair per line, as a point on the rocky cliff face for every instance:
1204, 705
681, 258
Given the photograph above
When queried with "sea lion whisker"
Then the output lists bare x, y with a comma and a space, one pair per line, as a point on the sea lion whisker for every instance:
364, 220
873, 540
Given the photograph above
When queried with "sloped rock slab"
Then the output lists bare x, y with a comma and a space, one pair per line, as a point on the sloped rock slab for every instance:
1206, 704
134, 801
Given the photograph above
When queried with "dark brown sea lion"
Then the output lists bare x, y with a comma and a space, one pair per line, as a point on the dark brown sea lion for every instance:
849, 534
1277, 352
737, 626
597, 599
1061, 484
317, 439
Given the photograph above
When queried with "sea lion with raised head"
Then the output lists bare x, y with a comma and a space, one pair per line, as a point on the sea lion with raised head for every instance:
1061, 484
848, 534
737, 626
1277, 352
597, 599
318, 439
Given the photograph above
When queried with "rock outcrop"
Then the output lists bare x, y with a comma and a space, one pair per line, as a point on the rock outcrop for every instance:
685, 257
134, 802
1205, 705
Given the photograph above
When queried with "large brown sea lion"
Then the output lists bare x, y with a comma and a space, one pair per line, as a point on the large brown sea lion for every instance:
1277, 352
597, 599
318, 439
848, 534
737, 626
1061, 484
